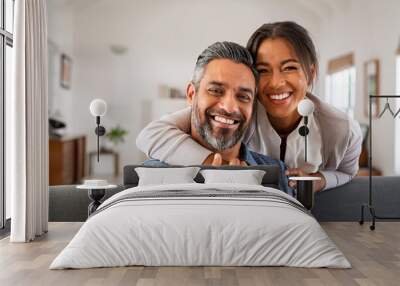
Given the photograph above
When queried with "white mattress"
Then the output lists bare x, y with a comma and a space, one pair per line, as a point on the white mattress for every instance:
185, 230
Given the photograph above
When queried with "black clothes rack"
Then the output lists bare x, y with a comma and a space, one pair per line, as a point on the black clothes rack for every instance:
370, 203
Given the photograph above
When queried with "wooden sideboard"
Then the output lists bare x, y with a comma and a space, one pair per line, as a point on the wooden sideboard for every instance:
67, 160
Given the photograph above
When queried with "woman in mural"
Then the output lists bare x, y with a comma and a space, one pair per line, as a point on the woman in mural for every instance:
286, 60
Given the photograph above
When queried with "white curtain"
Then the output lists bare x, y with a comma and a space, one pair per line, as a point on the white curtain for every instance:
28, 157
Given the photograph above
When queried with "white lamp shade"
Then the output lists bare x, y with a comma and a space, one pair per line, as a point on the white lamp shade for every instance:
98, 107
305, 107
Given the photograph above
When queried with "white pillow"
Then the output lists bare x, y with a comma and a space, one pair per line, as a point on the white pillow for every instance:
249, 177
164, 176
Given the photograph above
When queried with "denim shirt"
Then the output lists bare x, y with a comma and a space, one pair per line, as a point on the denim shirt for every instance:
252, 159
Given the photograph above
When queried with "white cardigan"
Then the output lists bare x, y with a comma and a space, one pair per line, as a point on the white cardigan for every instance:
168, 140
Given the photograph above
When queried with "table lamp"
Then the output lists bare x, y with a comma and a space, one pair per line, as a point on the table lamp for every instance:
305, 193
305, 109
98, 108
97, 188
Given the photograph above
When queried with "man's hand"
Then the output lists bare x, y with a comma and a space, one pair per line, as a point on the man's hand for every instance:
215, 159
237, 162
209, 160
297, 172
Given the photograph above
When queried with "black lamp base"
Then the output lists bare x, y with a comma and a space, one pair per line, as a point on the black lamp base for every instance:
95, 195
305, 193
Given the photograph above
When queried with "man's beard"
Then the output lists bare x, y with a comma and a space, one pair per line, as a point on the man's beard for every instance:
225, 139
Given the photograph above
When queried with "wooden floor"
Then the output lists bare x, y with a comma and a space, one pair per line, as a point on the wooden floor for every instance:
375, 256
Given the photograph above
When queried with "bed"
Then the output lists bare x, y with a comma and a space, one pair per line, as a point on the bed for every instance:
201, 224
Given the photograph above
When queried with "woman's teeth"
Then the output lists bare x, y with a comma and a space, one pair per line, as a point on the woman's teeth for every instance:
224, 120
280, 96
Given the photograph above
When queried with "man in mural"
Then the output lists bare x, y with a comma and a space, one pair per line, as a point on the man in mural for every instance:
222, 95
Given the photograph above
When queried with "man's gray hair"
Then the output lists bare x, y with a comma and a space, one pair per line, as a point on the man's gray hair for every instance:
223, 50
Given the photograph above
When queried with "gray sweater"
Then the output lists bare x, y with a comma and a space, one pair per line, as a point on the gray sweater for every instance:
168, 140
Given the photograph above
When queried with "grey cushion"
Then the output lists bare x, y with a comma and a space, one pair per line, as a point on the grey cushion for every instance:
270, 179
66, 203
344, 203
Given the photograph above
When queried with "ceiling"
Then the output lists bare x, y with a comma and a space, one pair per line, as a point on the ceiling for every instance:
320, 8
323, 9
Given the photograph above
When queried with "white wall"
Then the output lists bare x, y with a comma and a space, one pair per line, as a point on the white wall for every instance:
60, 41
164, 39
370, 29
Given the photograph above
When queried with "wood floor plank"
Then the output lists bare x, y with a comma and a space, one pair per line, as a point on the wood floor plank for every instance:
374, 255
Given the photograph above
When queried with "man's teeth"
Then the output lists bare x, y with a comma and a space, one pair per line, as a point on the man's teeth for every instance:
280, 96
224, 120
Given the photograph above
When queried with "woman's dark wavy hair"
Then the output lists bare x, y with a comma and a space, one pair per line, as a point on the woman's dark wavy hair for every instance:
296, 35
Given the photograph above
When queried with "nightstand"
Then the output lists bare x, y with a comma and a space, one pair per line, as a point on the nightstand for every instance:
96, 194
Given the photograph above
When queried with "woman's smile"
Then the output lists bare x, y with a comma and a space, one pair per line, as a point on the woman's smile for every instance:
281, 98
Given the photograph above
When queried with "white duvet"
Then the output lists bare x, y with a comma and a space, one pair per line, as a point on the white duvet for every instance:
185, 230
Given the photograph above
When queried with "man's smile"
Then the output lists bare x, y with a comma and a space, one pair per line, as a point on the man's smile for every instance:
224, 121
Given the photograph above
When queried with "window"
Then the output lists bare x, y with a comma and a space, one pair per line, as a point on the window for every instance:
6, 43
398, 73
9, 16
340, 84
